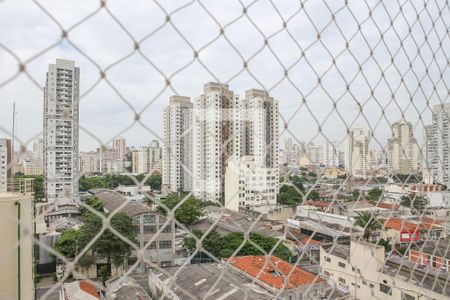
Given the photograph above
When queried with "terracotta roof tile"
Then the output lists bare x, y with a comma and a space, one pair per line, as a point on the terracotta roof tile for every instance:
89, 288
274, 271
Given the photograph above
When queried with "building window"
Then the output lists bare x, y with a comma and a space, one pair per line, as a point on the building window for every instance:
165, 244
341, 264
385, 289
152, 245
327, 259
341, 280
406, 296
149, 229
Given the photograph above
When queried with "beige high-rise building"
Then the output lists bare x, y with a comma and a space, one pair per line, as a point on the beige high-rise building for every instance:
147, 159
61, 139
260, 128
403, 150
16, 263
357, 152
177, 149
217, 136
119, 146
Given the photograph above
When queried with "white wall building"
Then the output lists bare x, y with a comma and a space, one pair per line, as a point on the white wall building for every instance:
119, 146
5, 165
329, 154
403, 151
248, 183
362, 270
260, 130
437, 140
61, 115
177, 149
147, 159
217, 136
357, 155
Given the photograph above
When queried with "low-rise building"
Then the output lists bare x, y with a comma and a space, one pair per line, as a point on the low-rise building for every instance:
435, 254
156, 234
408, 230
247, 183
363, 270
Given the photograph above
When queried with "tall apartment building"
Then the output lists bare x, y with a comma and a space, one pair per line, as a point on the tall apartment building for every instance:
147, 159
6, 175
357, 154
403, 151
329, 154
437, 140
61, 115
313, 153
119, 147
177, 149
217, 136
260, 128
38, 150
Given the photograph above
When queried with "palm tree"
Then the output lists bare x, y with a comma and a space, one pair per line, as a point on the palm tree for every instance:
368, 222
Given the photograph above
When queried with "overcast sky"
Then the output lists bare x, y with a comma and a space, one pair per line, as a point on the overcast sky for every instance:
378, 64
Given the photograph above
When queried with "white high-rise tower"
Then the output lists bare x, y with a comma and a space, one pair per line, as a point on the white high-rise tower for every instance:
61, 115
177, 148
357, 152
261, 128
437, 142
403, 151
217, 136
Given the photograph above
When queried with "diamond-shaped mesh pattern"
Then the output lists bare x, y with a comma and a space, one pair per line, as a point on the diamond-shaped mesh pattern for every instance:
333, 67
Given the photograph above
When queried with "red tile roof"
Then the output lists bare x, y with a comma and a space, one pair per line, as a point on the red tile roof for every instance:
400, 224
318, 203
306, 240
89, 288
274, 271
387, 205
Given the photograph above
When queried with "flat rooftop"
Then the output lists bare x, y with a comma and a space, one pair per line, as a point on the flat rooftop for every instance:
210, 281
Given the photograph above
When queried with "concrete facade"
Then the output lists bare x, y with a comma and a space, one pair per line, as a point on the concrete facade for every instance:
16, 263
61, 138
177, 149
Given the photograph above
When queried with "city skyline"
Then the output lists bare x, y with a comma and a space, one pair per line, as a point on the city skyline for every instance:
139, 83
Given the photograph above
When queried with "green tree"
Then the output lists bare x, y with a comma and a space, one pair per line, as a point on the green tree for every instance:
103, 274
93, 202
188, 212
109, 245
374, 195
368, 222
313, 195
224, 246
415, 202
68, 244
38, 185
297, 181
86, 261
288, 195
